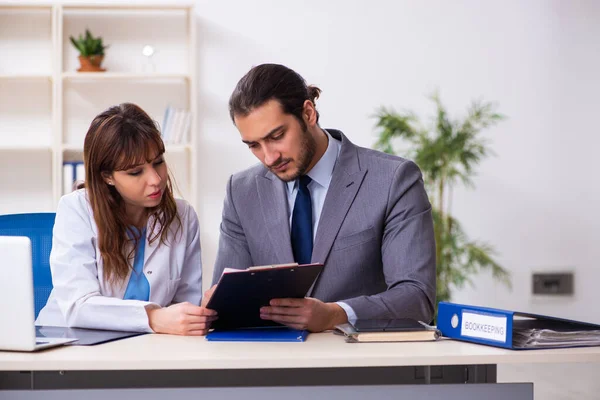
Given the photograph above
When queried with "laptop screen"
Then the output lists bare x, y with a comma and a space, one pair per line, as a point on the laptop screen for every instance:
17, 315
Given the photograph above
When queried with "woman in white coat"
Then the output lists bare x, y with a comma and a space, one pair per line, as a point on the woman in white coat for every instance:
125, 254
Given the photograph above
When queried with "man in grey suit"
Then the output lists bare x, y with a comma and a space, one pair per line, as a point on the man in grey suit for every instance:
371, 218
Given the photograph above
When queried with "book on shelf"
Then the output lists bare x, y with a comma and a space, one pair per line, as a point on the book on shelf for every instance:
387, 330
176, 125
73, 174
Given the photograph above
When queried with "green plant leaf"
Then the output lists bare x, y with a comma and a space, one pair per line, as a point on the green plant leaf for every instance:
88, 45
447, 153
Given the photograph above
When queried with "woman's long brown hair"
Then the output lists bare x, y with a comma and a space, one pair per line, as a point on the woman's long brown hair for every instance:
118, 139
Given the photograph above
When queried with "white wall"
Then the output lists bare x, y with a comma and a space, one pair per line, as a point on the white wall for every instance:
535, 202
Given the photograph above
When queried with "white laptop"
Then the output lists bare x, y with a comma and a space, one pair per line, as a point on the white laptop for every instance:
17, 315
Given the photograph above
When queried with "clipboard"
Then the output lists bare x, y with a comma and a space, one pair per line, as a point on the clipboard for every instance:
240, 294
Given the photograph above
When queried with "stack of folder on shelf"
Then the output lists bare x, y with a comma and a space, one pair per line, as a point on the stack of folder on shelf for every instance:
73, 173
390, 330
513, 329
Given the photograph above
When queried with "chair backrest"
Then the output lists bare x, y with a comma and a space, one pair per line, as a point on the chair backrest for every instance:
38, 228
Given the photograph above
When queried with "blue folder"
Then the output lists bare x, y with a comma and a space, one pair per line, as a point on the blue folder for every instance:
502, 328
262, 334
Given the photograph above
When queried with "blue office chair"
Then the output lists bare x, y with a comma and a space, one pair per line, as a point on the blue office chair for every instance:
38, 227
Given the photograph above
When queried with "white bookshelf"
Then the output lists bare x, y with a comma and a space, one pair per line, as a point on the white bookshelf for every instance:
108, 76
46, 106
17, 76
27, 111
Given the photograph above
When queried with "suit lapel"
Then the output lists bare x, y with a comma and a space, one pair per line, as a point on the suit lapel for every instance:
337, 203
273, 204
345, 183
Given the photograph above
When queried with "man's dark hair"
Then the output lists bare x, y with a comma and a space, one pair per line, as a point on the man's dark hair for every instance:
272, 82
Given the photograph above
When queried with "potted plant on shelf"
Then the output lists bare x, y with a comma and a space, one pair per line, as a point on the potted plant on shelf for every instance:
447, 152
91, 52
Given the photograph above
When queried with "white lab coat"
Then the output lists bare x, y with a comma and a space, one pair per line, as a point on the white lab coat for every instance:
81, 298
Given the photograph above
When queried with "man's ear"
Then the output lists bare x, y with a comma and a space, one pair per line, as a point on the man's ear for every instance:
108, 178
309, 113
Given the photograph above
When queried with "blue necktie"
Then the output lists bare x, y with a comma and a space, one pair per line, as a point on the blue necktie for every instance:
138, 287
302, 235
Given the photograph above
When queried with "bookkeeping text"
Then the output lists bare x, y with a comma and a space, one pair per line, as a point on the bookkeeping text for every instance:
473, 326
484, 326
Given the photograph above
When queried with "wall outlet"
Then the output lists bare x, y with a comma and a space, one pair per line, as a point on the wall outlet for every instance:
553, 283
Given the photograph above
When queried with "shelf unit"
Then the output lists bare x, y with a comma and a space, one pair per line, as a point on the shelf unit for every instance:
103, 76
16, 76
27, 108
46, 106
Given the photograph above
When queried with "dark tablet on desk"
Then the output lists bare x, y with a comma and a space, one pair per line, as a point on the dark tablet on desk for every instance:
85, 337
240, 294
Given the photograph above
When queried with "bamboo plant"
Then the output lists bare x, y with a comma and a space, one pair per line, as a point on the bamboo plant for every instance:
447, 152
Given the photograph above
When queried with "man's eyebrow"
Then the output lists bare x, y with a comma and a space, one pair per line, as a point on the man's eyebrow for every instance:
271, 133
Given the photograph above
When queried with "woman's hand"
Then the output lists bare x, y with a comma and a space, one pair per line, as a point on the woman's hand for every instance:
181, 319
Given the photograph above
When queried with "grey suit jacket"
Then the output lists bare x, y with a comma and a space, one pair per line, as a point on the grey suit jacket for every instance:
375, 234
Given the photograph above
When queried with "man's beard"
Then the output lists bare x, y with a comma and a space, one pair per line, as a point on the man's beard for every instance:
308, 147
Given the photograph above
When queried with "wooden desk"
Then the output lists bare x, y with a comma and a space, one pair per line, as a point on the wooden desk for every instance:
154, 361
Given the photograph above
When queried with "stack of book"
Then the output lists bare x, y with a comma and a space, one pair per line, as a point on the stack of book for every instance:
387, 330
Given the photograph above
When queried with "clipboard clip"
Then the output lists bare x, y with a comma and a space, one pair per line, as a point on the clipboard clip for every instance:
272, 266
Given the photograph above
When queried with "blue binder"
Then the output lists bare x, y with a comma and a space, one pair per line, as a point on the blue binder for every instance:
495, 327
263, 334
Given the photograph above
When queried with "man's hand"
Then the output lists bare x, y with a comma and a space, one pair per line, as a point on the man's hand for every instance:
307, 313
207, 295
181, 319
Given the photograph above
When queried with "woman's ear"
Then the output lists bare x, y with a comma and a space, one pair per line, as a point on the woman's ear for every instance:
108, 178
